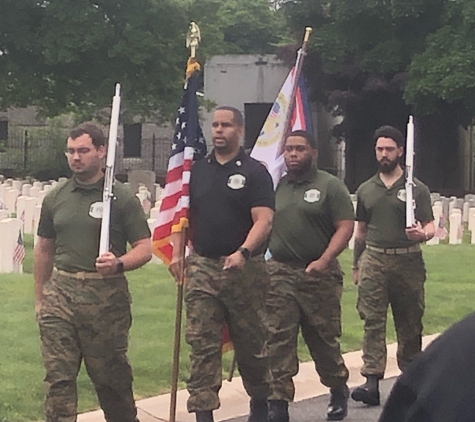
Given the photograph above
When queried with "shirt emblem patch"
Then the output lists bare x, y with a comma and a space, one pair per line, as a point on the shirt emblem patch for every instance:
401, 195
236, 181
96, 210
312, 195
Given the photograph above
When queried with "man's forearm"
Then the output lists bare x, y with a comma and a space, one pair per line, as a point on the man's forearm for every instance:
43, 269
360, 246
258, 234
338, 241
139, 255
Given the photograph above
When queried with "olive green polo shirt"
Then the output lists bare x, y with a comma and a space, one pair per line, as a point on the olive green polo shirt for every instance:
307, 209
71, 214
384, 211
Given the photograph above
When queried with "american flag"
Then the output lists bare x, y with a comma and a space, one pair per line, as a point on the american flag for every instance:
188, 145
19, 251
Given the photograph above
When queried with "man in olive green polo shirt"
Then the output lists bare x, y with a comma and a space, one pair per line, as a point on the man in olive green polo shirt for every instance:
313, 223
388, 266
82, 300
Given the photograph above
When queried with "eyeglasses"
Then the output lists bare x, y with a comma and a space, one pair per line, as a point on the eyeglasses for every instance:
80, 151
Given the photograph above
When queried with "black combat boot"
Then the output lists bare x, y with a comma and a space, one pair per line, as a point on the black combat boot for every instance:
338, 407
368, 393
278, 411
204, 416
258, 411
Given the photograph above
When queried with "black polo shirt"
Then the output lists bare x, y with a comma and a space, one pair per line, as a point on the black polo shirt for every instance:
221, 199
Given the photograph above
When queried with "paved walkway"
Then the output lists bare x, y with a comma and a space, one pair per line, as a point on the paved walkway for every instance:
234, 400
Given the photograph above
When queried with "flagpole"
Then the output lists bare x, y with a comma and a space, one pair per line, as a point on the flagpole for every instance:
177, 341
193, 39
297, 72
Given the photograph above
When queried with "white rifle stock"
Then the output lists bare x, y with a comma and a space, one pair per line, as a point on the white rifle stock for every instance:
109, 174
410, 204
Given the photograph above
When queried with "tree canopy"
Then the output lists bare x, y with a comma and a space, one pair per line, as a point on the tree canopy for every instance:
376, 61
67, 55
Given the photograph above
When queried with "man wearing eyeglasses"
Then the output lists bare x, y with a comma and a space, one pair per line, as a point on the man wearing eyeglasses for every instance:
82, 300
313, 223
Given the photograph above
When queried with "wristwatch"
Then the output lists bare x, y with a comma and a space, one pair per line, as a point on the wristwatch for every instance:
120, 266
246, 253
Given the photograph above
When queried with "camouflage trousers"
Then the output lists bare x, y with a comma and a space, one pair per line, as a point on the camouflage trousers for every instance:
311, 302
86, 320
214, 296
396, 280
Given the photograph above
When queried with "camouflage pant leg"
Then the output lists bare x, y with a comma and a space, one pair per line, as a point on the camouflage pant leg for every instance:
283, 319
406, 295
373, 300
61, 356
103, 330
214, 296
89, 318
319, 297
244, 296
204, 327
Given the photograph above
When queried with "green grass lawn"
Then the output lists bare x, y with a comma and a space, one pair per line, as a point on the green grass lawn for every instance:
449, 296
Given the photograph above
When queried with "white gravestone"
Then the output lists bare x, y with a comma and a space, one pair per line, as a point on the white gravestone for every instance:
351, 243
437, 210
154, 212
17, 184
34, 191
36, 221
456, 227
11, 196
3, 188
25, 189
9, 233
41, 196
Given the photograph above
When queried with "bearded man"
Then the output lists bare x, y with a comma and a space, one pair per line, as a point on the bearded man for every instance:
388, 267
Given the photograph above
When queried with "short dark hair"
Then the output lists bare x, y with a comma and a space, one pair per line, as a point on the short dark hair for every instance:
91, 129
237, 115
390, 132
304, 134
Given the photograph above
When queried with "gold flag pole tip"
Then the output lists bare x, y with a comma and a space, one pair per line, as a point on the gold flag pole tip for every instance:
308, 31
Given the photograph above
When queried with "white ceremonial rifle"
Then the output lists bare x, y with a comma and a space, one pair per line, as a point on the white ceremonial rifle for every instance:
109, 174
410, 204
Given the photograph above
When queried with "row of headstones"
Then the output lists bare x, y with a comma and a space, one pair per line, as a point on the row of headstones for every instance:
456, 211
20, 197
20, 208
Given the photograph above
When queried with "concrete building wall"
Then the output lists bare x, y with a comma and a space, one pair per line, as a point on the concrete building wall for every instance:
236, 80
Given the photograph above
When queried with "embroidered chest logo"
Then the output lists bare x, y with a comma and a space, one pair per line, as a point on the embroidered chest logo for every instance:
96, 209
312, 195
401, 195
236, 181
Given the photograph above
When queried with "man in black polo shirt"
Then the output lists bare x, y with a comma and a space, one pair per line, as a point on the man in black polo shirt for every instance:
231, 210
388, 266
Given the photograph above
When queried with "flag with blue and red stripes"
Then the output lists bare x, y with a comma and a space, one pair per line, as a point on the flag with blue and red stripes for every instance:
188, 145
268, 148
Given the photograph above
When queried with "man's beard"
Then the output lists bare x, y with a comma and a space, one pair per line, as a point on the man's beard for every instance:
388, 166
303, 169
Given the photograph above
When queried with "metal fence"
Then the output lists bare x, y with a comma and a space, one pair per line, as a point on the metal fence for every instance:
39, 151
